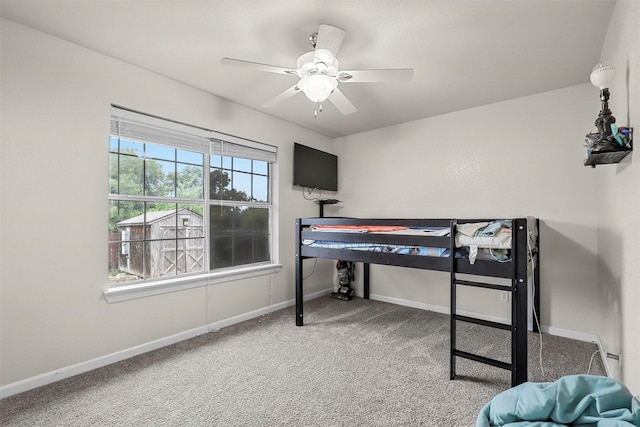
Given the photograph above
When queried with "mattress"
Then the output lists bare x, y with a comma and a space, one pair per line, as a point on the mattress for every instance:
488, 240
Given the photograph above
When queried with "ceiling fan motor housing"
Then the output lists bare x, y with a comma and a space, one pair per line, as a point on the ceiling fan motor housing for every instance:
320, 61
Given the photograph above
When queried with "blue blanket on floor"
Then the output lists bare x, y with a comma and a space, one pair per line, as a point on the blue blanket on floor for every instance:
572, 400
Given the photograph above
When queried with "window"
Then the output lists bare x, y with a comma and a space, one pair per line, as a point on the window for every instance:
241, 220
184, 201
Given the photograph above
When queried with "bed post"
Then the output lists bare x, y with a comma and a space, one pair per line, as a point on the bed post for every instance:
365, 279
536, 280
452, 298
299, 290
519, 306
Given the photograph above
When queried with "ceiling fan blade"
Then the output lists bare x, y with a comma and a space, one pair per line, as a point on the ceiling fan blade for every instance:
341, 102
293, 90
258, 66
397, 75
330, 38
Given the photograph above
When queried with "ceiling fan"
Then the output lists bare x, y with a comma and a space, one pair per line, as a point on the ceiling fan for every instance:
319, 74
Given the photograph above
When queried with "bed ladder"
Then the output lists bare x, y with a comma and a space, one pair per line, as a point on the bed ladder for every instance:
518, 292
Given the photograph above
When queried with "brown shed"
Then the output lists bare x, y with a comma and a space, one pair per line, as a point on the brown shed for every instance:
167, 242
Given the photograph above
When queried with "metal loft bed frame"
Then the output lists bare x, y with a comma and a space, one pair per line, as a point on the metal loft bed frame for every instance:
524, 263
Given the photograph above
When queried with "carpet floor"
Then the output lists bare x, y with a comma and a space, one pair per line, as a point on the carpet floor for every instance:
356, 363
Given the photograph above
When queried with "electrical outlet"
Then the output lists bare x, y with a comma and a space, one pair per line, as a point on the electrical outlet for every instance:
505, 296
620, 365
614, 361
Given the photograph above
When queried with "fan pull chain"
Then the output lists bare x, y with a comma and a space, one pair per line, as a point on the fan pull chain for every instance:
315, 113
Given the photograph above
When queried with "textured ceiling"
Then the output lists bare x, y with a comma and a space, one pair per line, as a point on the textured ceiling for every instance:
464, 53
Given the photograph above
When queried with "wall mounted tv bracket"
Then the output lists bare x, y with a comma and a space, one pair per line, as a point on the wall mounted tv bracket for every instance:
323, 202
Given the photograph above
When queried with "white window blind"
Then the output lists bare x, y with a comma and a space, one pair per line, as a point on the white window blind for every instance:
225, 148
128, 124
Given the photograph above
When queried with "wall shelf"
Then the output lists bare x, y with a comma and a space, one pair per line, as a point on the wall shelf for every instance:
611, 157
605, 158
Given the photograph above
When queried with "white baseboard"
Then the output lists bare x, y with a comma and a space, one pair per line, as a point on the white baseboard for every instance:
564, 333
579, 336
99, 362
436, 308
606, 362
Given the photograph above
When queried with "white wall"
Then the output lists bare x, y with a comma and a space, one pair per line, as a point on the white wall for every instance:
56, 101
590, 234
517, 158
618, 189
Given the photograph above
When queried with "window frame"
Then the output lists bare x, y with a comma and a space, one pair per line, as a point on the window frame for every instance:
217, 144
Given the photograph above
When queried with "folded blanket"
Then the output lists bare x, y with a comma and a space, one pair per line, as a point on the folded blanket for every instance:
356, 228
570, 401
470, 228
494, 228
379, 247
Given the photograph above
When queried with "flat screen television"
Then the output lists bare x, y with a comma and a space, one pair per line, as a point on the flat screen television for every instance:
314, 168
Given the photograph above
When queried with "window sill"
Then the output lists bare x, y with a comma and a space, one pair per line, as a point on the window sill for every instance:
141, 290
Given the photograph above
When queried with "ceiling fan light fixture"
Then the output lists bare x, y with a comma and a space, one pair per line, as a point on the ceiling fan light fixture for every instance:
317, 87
